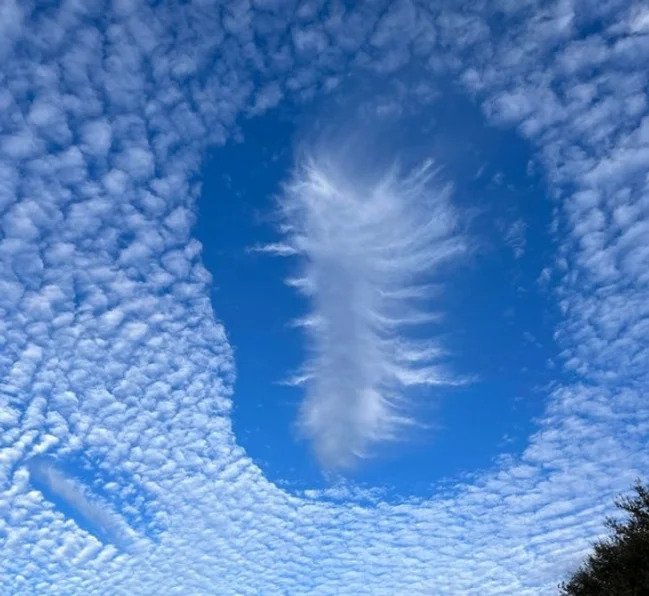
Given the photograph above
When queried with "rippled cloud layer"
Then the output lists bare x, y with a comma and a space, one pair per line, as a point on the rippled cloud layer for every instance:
110, 354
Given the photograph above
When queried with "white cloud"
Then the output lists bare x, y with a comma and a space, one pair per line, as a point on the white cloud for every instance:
515, 237
153, 405
96, 137
371, 240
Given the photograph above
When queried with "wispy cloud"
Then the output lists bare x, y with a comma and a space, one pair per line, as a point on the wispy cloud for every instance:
372, 238
515, 237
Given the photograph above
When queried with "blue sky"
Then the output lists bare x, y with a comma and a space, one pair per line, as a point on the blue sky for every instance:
319, 297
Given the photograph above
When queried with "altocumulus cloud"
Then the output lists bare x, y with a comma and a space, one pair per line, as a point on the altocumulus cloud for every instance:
371, 237
110, 349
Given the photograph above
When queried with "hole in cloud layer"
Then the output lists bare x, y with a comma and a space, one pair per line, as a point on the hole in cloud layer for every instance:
492, 314
76, 501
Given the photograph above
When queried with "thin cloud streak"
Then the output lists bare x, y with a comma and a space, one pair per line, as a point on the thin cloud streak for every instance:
106, 524
371, 239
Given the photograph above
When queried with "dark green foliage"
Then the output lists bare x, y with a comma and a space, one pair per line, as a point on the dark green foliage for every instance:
618, 565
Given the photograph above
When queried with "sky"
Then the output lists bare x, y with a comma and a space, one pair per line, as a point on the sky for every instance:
496, 318
319, 297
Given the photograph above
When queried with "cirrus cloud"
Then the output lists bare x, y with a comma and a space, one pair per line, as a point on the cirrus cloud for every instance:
372, 240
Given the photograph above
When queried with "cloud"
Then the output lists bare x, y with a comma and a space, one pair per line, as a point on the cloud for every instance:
89, 512
108, 344
515, 237
372, 240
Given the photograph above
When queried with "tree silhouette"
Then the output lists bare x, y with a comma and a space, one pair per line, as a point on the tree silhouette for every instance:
619, 564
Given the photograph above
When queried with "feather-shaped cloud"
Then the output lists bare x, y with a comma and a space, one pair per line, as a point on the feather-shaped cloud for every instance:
372, 239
